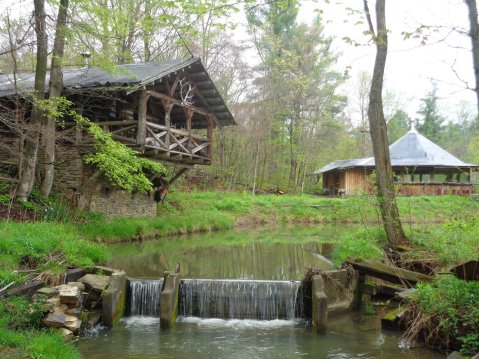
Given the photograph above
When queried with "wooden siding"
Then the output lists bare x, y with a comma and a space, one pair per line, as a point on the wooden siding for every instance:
354, 181
434, 189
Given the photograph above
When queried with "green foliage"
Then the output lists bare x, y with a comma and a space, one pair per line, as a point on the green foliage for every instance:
5, 199
455, 303
19, 313
4, 187
119, 163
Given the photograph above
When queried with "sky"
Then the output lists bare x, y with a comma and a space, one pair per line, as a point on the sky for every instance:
410, 67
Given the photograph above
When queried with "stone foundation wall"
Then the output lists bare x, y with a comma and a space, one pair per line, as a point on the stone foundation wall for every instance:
104, 198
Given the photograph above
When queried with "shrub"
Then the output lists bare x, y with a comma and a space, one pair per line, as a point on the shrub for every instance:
454, 304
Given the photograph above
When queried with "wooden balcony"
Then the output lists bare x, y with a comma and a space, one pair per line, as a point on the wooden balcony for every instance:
176, 145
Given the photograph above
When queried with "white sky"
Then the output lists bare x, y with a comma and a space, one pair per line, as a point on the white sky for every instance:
410, 67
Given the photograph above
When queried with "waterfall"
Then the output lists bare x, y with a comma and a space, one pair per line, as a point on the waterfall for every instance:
144, 297
241, 299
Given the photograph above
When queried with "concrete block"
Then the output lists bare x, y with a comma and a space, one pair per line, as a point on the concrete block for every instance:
169, 300
114, 299
320, 305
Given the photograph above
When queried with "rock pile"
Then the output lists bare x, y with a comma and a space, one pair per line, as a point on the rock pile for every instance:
94, 297
63, 305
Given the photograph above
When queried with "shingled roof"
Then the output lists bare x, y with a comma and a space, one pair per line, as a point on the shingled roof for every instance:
411, 150
128, 77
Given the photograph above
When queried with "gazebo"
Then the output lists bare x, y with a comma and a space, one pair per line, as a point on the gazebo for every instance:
420, 167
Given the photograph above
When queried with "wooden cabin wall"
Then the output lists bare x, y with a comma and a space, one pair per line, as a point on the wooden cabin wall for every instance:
355, 181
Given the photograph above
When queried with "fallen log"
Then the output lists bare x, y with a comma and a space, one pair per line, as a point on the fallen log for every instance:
388, 273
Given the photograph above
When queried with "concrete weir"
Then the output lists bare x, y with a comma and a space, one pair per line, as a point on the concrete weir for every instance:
333, 292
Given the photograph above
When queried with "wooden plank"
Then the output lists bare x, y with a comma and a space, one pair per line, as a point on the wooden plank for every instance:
127, 128
115, 123
200, 147
180, 144
388, 273
124, 138
176, 144
157, 139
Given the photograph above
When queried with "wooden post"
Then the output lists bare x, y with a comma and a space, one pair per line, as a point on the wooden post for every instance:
189, 115
211, 125
167, 106
141, 131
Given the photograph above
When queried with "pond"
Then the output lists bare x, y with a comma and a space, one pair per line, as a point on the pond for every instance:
275, 253
267, 253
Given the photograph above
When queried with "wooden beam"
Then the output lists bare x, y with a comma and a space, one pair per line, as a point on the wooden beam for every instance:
178, 102
200, 147
211, 123
114, 123
176, 176
389, 273
172, 90
157, 138
168, 105
178, 143
189, 115
142, 109
123, 129
124, 138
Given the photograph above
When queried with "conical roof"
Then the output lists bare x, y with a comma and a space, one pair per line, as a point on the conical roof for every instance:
412, 149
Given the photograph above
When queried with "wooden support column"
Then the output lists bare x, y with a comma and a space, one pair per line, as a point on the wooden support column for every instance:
189, 115
211, 126
167, 105
141, 131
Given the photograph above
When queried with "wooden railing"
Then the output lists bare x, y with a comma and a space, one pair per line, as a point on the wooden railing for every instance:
176, 143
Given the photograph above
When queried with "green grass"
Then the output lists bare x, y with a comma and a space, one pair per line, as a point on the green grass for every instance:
21, 335
42, 245
452, 307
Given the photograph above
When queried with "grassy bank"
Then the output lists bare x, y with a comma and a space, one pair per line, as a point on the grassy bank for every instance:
204, 211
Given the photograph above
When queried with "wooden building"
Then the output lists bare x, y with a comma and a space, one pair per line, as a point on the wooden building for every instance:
167, 111
420, 167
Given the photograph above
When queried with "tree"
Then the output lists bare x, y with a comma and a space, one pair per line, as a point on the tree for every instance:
398, 125
297, 87
384, 175
55, 90
27, 170
430, 122
474, 35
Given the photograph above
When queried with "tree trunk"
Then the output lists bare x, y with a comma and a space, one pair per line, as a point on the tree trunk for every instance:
55, 90
27, 177
474, 35
378, 129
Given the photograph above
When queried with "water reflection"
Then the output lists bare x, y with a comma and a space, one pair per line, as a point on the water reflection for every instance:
279, 254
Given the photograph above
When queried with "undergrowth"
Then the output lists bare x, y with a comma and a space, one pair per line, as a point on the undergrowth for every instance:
447, 314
